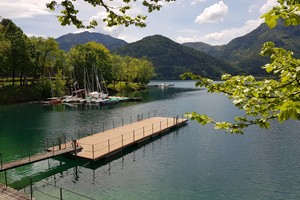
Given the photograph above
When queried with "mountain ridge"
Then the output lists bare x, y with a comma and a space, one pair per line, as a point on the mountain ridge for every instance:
66, 42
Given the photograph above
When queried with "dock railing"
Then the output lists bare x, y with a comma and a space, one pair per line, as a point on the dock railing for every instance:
121, 141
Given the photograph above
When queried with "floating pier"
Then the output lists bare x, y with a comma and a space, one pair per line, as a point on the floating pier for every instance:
107, 143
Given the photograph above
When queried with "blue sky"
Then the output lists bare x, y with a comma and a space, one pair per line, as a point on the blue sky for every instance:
211, 21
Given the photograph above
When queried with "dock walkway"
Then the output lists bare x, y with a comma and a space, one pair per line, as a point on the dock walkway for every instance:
39, 157
107, 143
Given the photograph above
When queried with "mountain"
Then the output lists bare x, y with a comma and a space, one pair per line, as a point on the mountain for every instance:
171, 59
244, 52
66, 42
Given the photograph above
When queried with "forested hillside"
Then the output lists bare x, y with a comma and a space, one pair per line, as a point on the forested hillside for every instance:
171, 59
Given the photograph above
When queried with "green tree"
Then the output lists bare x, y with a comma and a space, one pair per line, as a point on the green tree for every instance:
16, 50
270, 99
84, 57
45, 55
145, 71
58, 85
116, 12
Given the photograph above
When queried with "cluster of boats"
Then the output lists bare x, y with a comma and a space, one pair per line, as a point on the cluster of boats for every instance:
93, 98
94, 93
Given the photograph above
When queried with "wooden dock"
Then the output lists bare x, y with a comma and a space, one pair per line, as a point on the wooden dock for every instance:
107, 143
66, 149
8, 193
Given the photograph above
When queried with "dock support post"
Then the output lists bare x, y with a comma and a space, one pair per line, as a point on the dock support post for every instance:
122, 122
108, 145
31, 190
144, 131
154, 113
148, 114
93, 149
61, 194
1, 162
5, 175
113, 124
92, 130
130, 119
103, 127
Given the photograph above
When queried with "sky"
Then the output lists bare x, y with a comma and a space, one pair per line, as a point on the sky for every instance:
214, 22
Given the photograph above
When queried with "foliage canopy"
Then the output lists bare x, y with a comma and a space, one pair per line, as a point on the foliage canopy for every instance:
117, 12
265, 100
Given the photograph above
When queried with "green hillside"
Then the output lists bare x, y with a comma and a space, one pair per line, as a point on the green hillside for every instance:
172, 59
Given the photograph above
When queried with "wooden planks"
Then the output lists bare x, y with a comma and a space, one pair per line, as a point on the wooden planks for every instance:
11, 194
109, 142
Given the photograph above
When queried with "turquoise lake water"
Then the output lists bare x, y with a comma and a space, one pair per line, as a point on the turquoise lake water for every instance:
190, 163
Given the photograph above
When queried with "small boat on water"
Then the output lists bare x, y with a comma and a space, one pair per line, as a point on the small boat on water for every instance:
52, 101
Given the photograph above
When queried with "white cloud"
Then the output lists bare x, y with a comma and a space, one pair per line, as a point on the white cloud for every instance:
23, 9
194, 2
224, 36
212, 14
268, 6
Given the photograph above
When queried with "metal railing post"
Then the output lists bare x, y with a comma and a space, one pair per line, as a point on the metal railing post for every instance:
93, 152
47, 143
5, 175
59, 143
1, 162
53, 147
29, 153
75, 147
108, 145
61, 194
152, 128
31, 190
133, 135
65, 141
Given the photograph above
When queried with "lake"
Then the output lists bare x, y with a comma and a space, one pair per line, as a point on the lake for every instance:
192, 162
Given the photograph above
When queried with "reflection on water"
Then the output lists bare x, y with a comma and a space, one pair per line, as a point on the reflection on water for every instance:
193, 162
